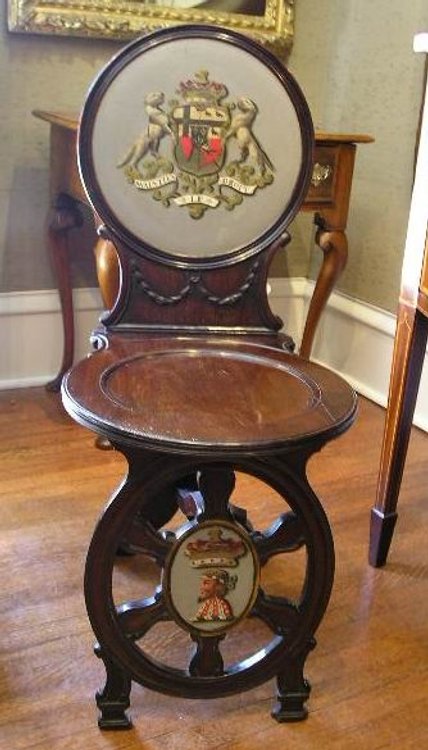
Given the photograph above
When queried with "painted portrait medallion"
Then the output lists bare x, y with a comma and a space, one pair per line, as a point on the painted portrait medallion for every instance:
198, 150
211, 579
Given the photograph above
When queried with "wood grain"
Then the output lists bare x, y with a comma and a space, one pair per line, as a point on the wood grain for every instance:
369, 670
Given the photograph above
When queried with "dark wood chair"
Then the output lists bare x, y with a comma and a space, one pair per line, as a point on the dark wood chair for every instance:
196, 152
409, 352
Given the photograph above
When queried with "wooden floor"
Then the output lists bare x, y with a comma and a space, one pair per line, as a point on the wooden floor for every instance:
369, 672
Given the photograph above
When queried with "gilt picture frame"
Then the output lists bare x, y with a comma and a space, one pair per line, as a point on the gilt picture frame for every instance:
268, 21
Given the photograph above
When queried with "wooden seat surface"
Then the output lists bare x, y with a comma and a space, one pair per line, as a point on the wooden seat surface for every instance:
210, 393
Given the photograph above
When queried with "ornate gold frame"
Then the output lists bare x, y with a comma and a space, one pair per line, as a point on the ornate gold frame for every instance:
125, 19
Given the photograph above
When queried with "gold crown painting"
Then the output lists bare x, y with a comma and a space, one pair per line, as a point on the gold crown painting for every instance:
215, 550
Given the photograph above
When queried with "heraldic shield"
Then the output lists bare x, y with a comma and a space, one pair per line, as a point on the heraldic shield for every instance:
201, 125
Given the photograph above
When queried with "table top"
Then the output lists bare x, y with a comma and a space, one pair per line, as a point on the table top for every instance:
70, 121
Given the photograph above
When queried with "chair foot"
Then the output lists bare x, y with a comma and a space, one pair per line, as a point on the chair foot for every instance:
381, 531
290, 705
114, 699
113, 717
293, 689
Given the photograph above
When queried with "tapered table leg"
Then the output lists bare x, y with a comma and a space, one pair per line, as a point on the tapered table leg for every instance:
408, 356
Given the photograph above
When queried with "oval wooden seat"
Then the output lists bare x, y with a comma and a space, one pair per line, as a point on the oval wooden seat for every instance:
195, 180
209, 394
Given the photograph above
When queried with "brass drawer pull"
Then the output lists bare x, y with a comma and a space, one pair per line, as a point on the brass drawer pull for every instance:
320, 174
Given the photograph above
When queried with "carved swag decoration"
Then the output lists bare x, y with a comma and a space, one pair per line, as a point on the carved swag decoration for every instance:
194, 282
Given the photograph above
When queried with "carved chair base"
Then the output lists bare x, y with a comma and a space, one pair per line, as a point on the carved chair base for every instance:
218, 544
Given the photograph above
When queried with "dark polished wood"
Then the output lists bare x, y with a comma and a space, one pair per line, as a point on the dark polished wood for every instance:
408, 355
192, 383
327, 198
131, 387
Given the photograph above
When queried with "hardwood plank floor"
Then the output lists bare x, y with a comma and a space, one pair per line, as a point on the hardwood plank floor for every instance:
369, 672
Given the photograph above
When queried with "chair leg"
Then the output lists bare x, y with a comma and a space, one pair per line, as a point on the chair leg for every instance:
114, 699
409, 352
293, 690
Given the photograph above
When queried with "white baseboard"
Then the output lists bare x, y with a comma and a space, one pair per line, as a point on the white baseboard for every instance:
31, 334
354, 338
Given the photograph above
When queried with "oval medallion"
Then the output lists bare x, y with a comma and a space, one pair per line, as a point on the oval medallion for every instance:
211, 578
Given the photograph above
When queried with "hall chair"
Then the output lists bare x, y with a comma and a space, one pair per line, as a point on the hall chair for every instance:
195, 149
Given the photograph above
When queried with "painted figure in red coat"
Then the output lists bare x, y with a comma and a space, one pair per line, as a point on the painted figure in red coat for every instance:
214, 586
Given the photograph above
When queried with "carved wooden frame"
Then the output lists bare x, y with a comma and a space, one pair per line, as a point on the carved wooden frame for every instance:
125, 19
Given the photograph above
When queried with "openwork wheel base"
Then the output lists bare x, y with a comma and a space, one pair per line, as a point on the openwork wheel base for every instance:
206, 604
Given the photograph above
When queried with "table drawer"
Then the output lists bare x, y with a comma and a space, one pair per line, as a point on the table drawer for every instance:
322, 186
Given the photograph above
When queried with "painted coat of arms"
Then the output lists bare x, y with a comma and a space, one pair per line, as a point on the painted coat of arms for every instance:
213, 577
198, 151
